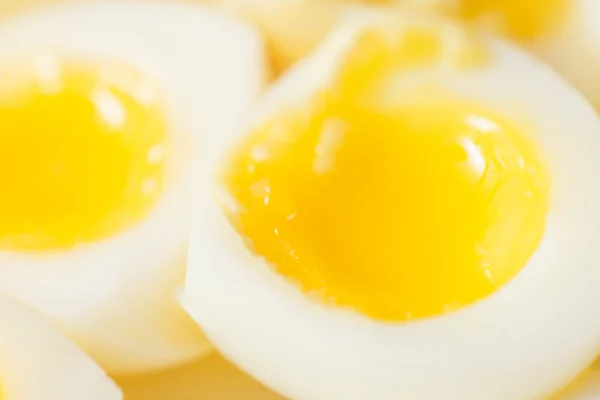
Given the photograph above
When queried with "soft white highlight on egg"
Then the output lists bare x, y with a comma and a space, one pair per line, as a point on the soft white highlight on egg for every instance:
117, 298
526, 341
38, 362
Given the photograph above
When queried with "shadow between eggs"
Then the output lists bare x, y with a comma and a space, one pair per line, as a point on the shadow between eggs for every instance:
210, 378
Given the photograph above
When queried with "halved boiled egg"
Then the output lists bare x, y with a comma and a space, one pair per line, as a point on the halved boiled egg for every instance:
411, 212
37, 362
563, 33
108, 111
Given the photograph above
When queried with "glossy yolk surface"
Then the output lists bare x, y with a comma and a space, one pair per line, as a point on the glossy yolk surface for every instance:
399, 213
524, 19
81, 152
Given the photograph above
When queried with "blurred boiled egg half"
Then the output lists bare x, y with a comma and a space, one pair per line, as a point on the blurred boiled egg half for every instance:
563, 33
410, 212
108, 111
37, 362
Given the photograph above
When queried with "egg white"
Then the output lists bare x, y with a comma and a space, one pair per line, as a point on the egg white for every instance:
38, 362
117, 297
525, 341
574, 49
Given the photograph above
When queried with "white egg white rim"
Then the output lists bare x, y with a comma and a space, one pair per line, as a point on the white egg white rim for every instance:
37, 362
501, 347
146, 36
574, 50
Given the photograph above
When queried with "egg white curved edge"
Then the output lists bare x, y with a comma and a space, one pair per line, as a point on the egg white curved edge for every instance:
117, 298
527, 340
574, 50
38, 362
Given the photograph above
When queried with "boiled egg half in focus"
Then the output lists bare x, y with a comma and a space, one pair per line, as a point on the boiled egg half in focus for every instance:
107, 112
411, 212
37, 362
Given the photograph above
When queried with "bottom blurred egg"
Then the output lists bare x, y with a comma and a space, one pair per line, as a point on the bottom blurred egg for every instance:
210, 378
214, 378
37, 362
585, 387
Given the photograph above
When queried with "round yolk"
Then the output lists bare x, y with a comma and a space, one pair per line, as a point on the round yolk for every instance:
81, 152
523, 19
399, 213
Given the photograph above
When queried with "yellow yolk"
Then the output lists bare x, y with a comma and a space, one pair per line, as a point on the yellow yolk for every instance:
523, 19
400, 213
81, 152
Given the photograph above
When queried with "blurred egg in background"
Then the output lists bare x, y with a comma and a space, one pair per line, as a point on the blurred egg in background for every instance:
107, 119
210, 377
38, 362
563, 33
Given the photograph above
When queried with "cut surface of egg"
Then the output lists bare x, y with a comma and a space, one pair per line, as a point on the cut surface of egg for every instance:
105, 123
399, 218
82, 153
349, 201
37, 362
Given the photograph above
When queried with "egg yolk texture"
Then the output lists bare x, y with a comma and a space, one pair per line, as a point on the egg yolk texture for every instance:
398, 212
81, 151
523, 19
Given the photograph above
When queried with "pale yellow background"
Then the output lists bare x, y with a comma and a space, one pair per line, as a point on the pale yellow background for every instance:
211, 378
